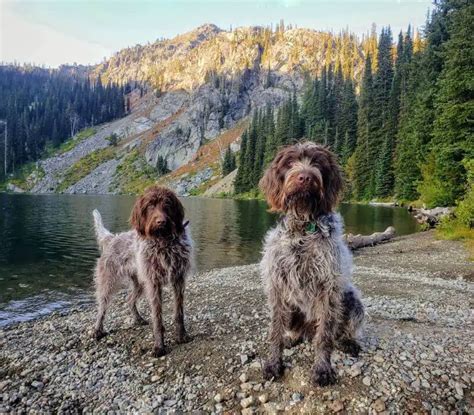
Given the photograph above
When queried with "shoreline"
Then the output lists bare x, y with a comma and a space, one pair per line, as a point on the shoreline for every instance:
417, 353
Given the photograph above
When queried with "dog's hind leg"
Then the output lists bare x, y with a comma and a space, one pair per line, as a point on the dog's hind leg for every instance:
180, 331
353, 317
280, 320
132, 299
105, 286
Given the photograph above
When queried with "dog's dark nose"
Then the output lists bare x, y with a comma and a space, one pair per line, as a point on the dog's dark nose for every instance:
303, 178
160, 222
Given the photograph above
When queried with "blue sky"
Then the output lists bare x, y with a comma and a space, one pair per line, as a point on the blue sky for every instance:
85, 31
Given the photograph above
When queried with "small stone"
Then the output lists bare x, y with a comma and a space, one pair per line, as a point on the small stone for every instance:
218, 398
459, 389
37, 385
379, 358
246, 386
297, 397
337, 406
243, 378
263, 398
355, 371
246, 402
379, 405
366, 381
243, 359
288, 352
247, 411
155, 378
256, 365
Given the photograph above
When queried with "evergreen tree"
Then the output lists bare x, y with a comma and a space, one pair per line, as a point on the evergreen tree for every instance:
229, 162
162, 166
363, 163
241, 181
453, 140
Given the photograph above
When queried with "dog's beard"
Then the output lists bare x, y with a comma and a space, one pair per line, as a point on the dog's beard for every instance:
161, 232
301, 204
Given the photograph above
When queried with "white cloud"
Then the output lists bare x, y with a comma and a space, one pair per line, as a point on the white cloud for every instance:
30, 42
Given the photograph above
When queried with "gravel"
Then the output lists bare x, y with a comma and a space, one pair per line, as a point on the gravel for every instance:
417, 356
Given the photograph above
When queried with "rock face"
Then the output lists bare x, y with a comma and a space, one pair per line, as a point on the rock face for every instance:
99, 181
200, 84
225, 185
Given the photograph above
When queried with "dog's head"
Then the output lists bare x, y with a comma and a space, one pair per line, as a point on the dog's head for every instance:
304, 179
158, 213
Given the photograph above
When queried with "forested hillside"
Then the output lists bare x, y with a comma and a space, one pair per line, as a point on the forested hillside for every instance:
43, 108
409, 132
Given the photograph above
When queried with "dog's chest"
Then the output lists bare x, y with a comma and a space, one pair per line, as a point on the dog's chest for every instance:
307, 261
167, 262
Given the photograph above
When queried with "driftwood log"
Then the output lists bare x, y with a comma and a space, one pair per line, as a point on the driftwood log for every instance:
431, 217
359, 241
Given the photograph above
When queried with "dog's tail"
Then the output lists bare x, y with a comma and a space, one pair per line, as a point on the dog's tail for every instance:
103, 235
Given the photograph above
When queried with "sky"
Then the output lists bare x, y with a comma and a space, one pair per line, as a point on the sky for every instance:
54, 32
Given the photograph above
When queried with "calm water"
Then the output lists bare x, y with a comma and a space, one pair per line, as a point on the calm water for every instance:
48, 249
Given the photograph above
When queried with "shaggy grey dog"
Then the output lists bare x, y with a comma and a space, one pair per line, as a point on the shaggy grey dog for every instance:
156, 252
306, 266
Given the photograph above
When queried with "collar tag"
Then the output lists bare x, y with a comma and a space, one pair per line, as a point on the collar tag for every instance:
311, 227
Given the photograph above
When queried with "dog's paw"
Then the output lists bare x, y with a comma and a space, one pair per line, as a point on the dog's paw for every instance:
273, 369
351, 347
99, 334
183, 338
324, 376
159, 351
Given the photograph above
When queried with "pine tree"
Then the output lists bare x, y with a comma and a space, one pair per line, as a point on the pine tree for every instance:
363, 164
241, 180
228, 163
381, 135
454, 108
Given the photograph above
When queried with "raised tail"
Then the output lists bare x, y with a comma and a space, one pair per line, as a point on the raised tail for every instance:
102, 234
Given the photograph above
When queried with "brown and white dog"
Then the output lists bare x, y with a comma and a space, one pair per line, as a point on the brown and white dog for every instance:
156, 252
306, 266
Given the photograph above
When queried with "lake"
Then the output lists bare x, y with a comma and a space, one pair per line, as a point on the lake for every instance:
48, 248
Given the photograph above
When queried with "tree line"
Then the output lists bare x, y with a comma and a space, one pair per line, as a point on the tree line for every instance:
44, 108
407, 134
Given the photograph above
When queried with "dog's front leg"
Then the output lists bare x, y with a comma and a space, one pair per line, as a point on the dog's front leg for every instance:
180, 331
273, 367
154, 291
323, 341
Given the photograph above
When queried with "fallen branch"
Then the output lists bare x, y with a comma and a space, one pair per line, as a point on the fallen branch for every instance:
431, 217
359, 241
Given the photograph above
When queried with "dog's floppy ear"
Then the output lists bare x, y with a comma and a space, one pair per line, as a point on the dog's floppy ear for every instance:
332, 176
271, 184
138, 216
176, 211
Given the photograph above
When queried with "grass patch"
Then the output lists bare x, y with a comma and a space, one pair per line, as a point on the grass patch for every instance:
460, 226
454, 230
85, 166
250, 195
69, 144
23, 177
134, 175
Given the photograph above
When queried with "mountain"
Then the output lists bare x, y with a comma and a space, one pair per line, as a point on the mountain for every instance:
189, 98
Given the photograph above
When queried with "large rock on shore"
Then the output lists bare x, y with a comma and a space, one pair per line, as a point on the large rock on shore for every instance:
417, 348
